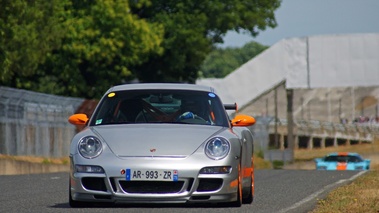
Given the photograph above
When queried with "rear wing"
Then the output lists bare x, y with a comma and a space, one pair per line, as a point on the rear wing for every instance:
231, 106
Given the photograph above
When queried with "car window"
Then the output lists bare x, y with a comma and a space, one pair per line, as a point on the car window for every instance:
348, 158
160, 106
354, 159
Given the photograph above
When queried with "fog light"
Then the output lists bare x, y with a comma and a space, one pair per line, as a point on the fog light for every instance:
216, 170
89, 169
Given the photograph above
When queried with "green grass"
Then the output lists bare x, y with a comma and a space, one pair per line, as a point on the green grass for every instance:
362, 195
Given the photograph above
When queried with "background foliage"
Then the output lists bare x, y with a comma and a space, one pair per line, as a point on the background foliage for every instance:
220, 62
82, 47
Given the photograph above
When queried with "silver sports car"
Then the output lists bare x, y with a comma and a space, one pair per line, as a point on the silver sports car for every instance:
161, 143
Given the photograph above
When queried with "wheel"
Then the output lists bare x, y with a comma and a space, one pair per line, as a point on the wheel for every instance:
238, 202
249, 198
74, 203
250, 195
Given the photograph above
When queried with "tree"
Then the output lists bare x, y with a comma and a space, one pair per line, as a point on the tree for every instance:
192, 28
220, 62
74, 47
81, 47
103, 40
29, 31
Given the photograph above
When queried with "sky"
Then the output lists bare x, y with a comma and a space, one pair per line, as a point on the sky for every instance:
300, 18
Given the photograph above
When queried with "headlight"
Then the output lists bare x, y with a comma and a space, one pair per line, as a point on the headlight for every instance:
216, 170
90, 147
217, 148
89, 169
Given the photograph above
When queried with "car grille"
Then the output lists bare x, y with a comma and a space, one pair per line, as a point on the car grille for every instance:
94, 183
209, 184
151, 187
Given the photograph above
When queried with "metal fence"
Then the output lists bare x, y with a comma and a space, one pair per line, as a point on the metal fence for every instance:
334, 114
35, 124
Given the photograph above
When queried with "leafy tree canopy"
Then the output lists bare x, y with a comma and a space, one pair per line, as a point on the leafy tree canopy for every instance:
103, 40
192, 28
220, 62
81, 47
29, 31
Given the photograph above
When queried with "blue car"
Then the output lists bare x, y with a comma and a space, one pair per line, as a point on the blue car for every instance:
342, 161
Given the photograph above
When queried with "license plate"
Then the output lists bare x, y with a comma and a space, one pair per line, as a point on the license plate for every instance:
153, 174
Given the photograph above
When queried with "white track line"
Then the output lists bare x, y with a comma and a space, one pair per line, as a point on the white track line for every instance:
314, 195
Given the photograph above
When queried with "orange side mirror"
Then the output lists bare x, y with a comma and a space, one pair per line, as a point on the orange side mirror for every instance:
78, 119
243, 120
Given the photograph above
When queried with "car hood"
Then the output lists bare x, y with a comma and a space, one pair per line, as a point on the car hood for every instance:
155, 139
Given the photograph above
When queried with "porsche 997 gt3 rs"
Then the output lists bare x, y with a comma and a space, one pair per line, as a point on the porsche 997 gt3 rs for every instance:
161, 143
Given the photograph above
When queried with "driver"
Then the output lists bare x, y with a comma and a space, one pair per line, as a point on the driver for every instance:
191, 109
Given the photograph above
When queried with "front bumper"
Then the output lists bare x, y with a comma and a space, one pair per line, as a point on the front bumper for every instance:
191, 187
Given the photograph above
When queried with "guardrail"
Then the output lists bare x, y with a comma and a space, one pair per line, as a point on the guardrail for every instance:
327, 133
35, 124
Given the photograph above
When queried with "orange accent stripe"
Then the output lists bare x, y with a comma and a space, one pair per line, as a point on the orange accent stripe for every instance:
341, 166
213, 116
247, 172
234, 183
343, 153
72, 181
116, 110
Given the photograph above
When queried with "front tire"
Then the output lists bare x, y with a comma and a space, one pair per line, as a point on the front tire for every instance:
74, 203
238, 202
249, 198
250, 195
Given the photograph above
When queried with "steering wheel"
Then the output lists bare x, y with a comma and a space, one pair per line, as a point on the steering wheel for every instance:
190, 117
158, 114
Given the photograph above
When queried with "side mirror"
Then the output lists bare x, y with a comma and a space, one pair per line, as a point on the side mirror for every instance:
78, 119
243, 120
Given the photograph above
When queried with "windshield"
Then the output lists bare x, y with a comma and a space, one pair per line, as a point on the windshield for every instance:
160, 106
348, 158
